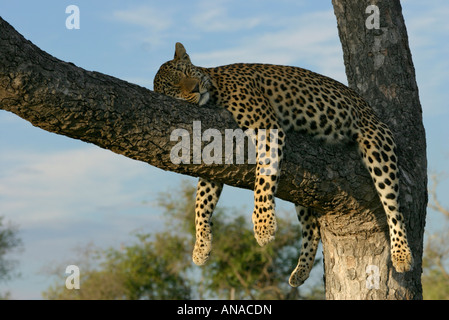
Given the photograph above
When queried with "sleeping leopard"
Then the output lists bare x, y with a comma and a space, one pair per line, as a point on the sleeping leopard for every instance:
284, 98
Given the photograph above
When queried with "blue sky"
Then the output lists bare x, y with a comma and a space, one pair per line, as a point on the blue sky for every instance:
63, 193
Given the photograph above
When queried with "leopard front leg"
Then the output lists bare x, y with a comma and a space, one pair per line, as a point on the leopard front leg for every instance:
207, 195
269, 157
309, 245
252, 110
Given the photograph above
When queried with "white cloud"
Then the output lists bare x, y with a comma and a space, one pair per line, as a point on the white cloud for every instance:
61, 199
309, 41
145, 16
43, 189
214, 17
232, 33
153, 25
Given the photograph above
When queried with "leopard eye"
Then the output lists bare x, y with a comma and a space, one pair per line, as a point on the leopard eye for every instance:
196, 89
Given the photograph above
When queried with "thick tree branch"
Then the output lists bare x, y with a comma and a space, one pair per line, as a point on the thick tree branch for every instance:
133, 121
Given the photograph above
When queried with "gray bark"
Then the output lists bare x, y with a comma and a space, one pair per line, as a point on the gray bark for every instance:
379, 66
133, 121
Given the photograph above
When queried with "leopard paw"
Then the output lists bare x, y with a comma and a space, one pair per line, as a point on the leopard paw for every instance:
264, 234
402, 259
299, 276
201, 252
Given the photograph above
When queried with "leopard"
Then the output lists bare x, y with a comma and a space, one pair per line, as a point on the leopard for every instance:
283, 99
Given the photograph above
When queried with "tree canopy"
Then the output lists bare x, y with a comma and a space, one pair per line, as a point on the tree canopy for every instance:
159, 266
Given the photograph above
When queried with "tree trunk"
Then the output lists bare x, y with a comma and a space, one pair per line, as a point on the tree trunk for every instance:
379, 66
133, 121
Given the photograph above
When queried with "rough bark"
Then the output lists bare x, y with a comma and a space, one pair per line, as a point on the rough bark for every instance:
379, 66
133, 121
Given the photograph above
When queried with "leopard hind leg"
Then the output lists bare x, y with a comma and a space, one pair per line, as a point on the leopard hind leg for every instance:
378, 151
309, 245
207, 196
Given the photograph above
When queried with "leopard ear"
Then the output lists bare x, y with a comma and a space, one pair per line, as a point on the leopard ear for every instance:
181, 53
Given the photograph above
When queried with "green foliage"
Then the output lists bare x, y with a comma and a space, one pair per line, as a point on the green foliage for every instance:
152, 269
159, 266
435, 278
148, 269
9, 241
241, 269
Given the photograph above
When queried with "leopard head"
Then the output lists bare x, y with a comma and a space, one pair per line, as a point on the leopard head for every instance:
180, 79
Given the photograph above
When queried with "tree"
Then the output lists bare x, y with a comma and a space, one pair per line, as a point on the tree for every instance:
151, 269
9, 241
436, 267
159, 266
253, 273
436, 255
136, 122
379, 66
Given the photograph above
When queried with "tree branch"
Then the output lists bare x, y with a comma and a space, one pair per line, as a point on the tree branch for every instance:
133, 121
